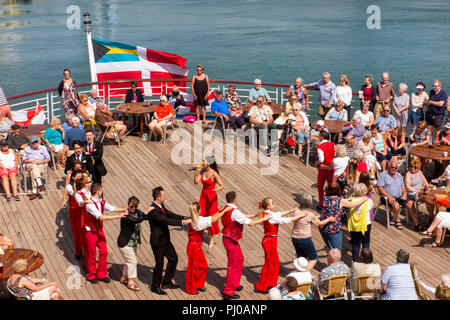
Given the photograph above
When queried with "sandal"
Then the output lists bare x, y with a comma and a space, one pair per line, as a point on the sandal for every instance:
399, 225
425, 233
433, 245
124, 281
133, 287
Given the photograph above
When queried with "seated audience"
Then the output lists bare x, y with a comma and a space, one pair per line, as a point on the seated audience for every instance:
85, 110
94, 99
73, 134
175, 98
444, 135
355, 129
396, 142
300, 127
5, 109
68, 123
381, 150
258, 91
316, 127
364, 266
54, 138
415, 183
5, 126
397, 282
337, 112
35, 289
350, 146
104, 118
301, 276
359, 223
294, 101
134, 94
261, 117
35, 159
220, 107
361, 164
301, 231
236, 112
9, 161
390, 185
17, 140
445, 176
339, 163
300, 91
232, 97
275, 294
386, 121
335, 268
420, 135
418, 101
440, 221
164, 112
367, 147
442, 291
367, 118
293, 294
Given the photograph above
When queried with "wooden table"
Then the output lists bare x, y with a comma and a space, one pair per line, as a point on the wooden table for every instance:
335, 126
434, 152
34, 129
136, 109
276, 108
428, 199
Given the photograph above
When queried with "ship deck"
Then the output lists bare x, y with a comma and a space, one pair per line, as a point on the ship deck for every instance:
137, 167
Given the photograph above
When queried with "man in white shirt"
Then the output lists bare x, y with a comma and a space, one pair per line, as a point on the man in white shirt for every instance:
95, 237
261, 117
233, 222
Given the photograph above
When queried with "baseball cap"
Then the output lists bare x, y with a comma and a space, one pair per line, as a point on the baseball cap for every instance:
3, 142
33, 139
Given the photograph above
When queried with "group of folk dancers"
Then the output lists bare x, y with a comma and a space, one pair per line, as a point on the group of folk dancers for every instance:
86, 212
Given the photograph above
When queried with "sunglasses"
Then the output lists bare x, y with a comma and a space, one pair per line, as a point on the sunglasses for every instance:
386, 110
394, 168
414, 167
259, 101
132, 207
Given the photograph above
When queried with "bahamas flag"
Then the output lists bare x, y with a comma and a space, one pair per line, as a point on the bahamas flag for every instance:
118, 61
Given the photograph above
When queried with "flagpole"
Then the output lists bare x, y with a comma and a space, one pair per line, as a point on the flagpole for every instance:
88, 29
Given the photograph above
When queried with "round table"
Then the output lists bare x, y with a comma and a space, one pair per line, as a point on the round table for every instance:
335, 126
433, 152
34, 129
428, 199
136, 109
276, 108
10, 257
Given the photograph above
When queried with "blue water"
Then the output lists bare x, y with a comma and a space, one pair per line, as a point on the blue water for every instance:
235, 40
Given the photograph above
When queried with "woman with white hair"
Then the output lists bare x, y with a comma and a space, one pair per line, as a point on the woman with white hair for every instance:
300, 91
359, 223
54, 139
367, 147
301, 128
164, 112
356, 128
301, 231
340, 162
367, 117
337, 112
34, 289
401, 105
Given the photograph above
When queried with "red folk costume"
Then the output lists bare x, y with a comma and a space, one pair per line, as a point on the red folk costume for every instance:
197, 265
327, 149
232, 233
75, 220
209, 204
271, 267
78, 222
95, 238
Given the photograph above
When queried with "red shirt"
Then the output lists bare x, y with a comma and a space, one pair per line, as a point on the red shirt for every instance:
164, 111
361, 166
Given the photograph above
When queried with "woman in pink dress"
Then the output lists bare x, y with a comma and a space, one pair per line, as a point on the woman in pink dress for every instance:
209, 204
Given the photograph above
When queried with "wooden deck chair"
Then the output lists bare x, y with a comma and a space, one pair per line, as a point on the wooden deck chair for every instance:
336, 288
365, 284
419, 292
304, 288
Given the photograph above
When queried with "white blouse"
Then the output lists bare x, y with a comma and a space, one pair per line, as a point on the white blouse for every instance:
344, 94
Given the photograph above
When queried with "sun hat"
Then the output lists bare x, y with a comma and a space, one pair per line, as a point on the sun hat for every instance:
447, 125
301, 264
189, 119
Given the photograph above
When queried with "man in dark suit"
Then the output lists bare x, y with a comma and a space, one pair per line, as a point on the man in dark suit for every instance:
84, 158
95, 149
160, 218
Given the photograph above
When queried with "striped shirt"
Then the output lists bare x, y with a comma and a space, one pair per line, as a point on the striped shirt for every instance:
399, 284
2, 97
392, 185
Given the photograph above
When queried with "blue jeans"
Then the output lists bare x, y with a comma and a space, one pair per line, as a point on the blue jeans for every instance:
333, 241
304, 247
301, 136
415, 117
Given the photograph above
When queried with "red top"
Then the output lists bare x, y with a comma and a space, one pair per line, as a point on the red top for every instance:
195, 236
328, 152
164, 111
83, 211
361, 166
231, 228
368, 93
92, 222
269, 229
73, 203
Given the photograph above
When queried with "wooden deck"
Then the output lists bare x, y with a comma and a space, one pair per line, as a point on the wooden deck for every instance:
137, 167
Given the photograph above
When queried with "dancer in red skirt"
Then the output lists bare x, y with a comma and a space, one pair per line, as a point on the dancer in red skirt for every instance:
82, 197
270, 269
209, 205
197, 265
74, 210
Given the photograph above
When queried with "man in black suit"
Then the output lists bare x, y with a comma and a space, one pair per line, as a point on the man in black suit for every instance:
160, 218
85, 159
95, 149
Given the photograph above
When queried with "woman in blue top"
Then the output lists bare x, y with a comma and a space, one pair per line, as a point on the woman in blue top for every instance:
53, 138
382, 152
338, 112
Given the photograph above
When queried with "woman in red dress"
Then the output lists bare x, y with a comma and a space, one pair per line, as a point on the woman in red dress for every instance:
209, 205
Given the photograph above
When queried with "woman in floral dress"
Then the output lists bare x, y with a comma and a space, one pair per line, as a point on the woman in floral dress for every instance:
69, 94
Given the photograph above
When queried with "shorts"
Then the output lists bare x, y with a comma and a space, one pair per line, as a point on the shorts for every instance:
304, 247
43, 294
401, 202
58, 147
7, 172
114, 128
416, 117
445, 217
434, 120
381, 157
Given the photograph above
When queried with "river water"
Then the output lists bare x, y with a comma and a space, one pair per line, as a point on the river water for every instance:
235, 40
